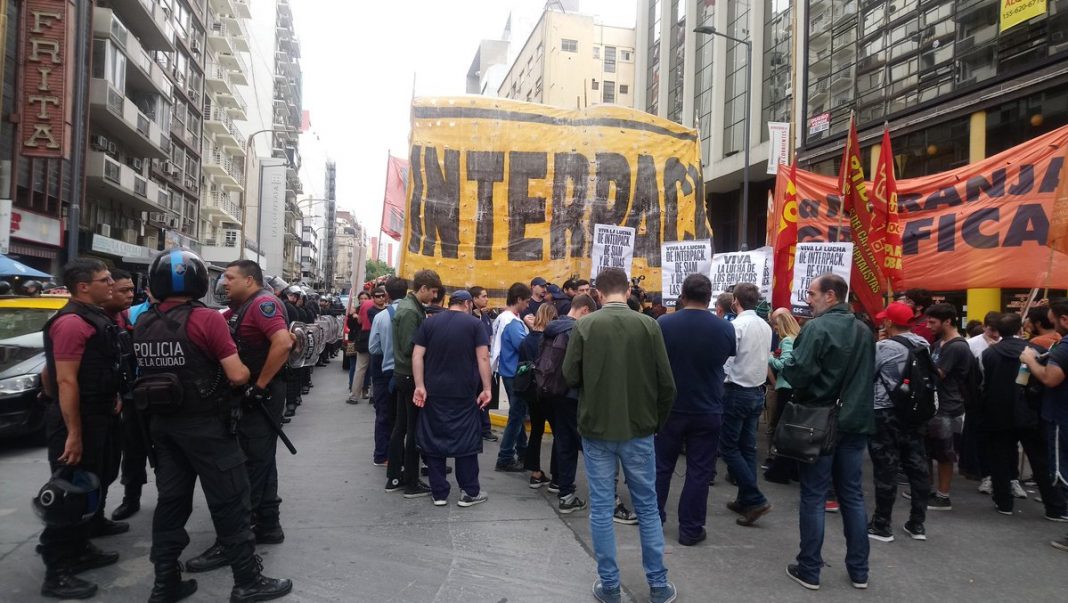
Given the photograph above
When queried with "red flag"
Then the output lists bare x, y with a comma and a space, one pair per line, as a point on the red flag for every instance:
1058, 227
394, 201
785, 244
867, 276
886, 226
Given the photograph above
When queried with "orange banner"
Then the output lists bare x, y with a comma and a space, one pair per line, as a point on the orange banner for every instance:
981, 225
783, 262
884, 193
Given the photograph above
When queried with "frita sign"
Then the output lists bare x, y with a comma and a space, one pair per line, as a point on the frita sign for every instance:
46, 76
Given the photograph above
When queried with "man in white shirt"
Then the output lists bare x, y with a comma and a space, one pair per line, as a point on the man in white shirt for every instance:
746, 374
988, 337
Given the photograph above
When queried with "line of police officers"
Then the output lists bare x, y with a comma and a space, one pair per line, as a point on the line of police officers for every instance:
207, 389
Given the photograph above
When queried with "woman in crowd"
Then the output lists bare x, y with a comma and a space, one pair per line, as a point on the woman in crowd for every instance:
539, 412
782, 470
353, 321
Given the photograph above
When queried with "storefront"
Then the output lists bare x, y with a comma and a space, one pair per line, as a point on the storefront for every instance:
37, 240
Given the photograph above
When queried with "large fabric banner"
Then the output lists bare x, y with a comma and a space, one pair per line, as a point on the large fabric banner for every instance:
501, 191
981, 225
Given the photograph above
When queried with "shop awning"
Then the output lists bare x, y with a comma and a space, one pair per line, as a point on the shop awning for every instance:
9, 267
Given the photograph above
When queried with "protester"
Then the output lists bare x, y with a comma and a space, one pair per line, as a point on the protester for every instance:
833, 362
782, 470
698, 345
563, 401
624, 398
539, 288
953, 357
744, 403
450, 363
1038, 324
919, 300
480, 310
1011, 421
979, 343
1050, 372
508, 333
897, 446
540, 410
383, 394
359, 366
975, 446
723, 306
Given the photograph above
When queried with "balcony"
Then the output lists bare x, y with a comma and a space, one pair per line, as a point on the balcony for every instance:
142, 73
148, 21
217, 78
109, 179
219, 205
218, 121
226, 169
221, 38
120, 120
241, 9
237, 31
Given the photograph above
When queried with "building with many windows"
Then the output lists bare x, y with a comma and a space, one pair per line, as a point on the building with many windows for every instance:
572, 61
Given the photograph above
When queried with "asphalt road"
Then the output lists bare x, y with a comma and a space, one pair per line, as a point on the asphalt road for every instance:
347, 540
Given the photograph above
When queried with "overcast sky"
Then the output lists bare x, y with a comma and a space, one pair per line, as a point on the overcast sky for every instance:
359, 59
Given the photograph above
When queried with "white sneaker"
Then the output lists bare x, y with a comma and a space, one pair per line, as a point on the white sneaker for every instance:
986, 486
1017, 490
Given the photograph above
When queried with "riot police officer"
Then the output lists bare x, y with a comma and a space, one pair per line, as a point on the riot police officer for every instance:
82, 380
257, 325
278, 287
187, 364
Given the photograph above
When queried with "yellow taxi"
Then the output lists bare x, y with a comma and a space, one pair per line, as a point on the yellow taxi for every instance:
22, 360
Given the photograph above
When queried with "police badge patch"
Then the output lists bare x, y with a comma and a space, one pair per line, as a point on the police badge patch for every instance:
268, 309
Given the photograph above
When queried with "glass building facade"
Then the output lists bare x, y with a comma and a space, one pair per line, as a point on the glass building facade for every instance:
736, 86
652, 78
778, 86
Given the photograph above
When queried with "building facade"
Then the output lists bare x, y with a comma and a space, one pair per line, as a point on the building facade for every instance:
287, 124
572, 61
345, 250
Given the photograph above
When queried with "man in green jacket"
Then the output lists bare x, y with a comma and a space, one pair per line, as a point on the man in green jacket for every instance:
617, 360
834, 362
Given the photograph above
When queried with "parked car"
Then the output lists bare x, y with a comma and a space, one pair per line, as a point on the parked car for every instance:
22, 360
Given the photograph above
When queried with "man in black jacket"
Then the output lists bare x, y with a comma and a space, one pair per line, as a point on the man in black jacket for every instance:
1010, 418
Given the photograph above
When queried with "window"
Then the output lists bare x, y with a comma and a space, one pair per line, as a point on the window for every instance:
595, 85
569, 45
596, 52
610, 59
625, 56
609, 92
623, 89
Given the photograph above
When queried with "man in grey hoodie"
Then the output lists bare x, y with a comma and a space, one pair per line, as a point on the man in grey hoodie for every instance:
896, 446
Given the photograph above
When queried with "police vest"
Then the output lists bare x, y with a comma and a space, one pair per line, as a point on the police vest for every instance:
127, 360
254, 356
99, 372
163, 349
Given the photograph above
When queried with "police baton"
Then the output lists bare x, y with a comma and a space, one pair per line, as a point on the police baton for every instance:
277, 429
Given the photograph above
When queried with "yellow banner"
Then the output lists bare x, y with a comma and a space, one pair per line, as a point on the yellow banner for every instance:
501, 191
1015, 12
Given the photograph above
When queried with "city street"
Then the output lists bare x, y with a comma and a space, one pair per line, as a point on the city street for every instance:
347, 540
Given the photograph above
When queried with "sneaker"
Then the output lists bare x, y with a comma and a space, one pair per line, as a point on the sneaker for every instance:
1003, 511
393, 485
352, 400
513, 467
571, 503
624, 515
537, 482
916, 531
736, 507
691, 541
466, 500
1061, 545
1057, 517
417, 490
986, 486
831, 506
939, 502
605, 594
441, 502
880, 533
379, 463
489, 436
1017, 489
752, 514
663, 594
795, 573
554, 488
859, 584
906, 494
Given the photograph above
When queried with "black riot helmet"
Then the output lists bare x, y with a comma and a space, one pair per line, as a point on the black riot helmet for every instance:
5, 288
70, 498
295, 290
178, 273
275, 284
222, 296
32, 287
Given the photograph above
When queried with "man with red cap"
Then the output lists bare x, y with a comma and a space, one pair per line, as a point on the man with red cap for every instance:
898, 444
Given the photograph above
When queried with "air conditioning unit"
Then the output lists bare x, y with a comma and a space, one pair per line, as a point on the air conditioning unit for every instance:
137, 164
196, 47
112, 148
100, 143
172, 222
103, 230
193, 94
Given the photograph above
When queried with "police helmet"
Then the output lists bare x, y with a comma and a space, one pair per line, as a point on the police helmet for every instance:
178, 272
5, 288
32, 284
275, 284
222, 296
70, 498
294, 290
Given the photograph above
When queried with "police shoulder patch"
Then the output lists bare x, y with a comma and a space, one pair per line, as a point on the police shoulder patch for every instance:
268, 309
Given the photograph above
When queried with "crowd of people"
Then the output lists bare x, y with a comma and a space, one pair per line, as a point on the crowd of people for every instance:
205, 394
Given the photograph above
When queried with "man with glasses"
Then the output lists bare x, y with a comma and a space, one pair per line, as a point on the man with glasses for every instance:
81, 351
833, 362
480, 310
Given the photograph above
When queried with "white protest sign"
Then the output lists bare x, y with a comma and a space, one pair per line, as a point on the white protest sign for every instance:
778, 145
812, 260
679, 259
729, 269
613, 247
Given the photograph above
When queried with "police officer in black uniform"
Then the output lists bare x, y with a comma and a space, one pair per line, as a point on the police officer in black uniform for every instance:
186, 370
295, 378
82, 380
257, 326
278, 287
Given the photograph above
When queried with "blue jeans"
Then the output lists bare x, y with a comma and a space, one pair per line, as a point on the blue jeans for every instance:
737, 445
639, 468
514, 440
846, 468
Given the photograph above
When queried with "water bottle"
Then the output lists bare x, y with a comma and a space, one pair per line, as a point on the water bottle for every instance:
1023, 376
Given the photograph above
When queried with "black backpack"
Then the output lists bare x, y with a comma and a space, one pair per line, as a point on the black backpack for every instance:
915, 397
548, 368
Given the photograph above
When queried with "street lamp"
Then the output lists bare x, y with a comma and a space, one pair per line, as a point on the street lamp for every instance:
711, 31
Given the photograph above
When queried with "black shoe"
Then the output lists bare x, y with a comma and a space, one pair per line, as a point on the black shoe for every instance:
304, 391
211, 559
752, 514
515, 467
537, 482
880, 533
554, 488
489, 436
916, 531
127, 509
795, 572
273, 535
90, 558
736, 507
286, 420
394, 485
251, 585
169, 586
686, 541
62, 585
417, 490
290, 411
105, 527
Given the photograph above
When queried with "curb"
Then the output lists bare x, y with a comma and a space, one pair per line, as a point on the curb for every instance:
499, 419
